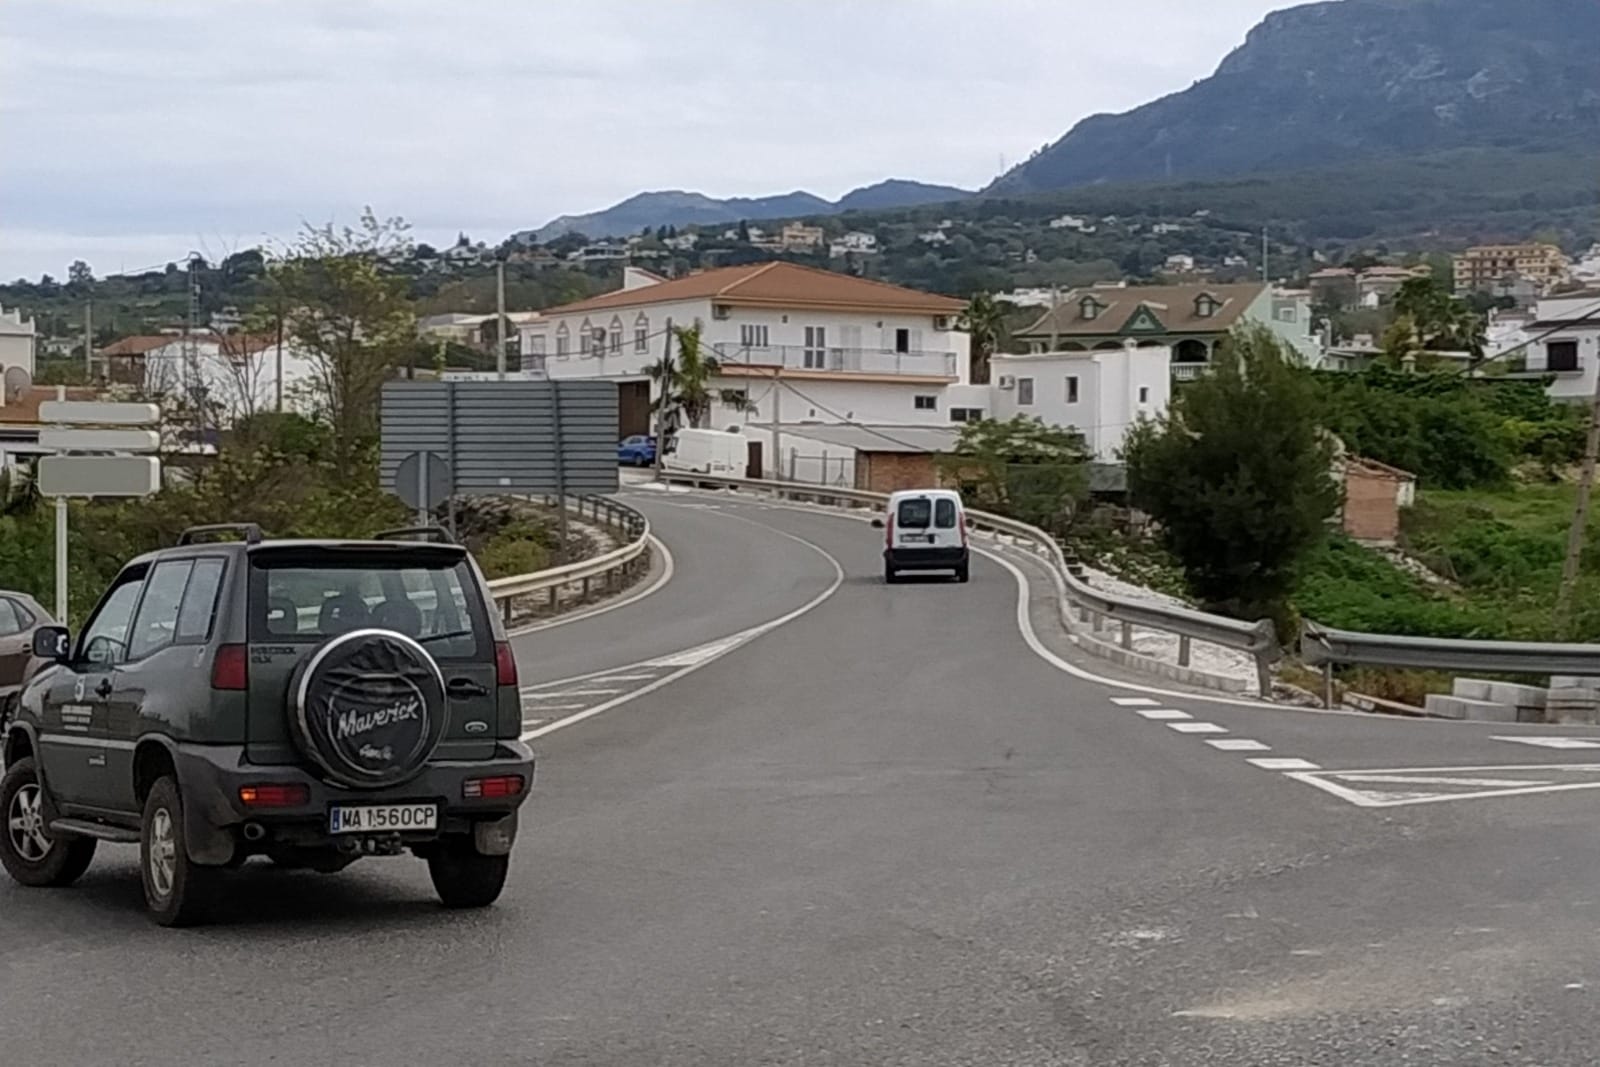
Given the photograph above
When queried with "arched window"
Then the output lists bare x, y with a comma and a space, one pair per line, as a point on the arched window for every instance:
563, 341
585, 338
616, 335
1089, 308
641, 333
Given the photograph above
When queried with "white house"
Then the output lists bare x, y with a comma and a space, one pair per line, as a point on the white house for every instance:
795, 345
18, 342
856, 242
933, 237
237, 373
1100, 393
1567, 345
1072, 222
1181, 263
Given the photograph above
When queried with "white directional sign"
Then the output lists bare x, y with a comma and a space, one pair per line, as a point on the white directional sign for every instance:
99, 475
1401, 786
112, 440
99, 413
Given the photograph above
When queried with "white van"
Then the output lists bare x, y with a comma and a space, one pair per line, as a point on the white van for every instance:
714, 452
926, 530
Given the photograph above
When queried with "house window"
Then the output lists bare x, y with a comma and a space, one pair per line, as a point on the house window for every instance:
585, 338
641, 339
816, 350
1205, 307
1089, 308
752, 336
966, 414
925, 403
902, 340
1287, 314
536, 345
1025, 392
1561, 356
563, 342
1144, 394
1072, 389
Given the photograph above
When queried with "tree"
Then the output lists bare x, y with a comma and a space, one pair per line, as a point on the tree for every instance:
80, 276
1440, 321
985, 323
744, 232
685, 383
1021, 468
352, 318
1238, 473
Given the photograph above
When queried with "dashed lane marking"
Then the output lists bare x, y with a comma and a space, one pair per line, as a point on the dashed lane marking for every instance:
1164, 714
1276, 763
1238, 744
545, 693
1134, 702
1552, 742
1197, 727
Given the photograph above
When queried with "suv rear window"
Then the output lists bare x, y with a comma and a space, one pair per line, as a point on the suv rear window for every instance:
914, 514
944, 513
299, 599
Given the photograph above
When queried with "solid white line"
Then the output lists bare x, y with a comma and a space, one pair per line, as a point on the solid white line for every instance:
744, 637
1551, 742
1197, 727
1273, 763
542, 694
1238, 744
1134, 702
667, 568
554, 707
1424, 779
1163, 714
624, 677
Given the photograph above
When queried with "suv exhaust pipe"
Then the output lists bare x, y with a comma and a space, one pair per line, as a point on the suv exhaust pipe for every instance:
254, 831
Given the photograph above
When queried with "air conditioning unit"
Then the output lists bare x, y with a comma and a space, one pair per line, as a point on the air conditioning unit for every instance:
941, 322
1008, 381
719, 311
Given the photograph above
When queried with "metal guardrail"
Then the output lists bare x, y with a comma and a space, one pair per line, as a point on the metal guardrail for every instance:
1323, 646
629, 525
1095, 606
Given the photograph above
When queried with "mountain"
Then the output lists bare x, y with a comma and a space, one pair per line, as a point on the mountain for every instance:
1350, 79
678, 208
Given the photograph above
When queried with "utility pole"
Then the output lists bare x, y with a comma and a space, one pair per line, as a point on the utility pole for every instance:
500, 319
1055, 326
280, 363
1266, 254
88, 341
777, 421
661, 408
1576, 535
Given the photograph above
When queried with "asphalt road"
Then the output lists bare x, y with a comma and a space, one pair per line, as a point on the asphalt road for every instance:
888, 831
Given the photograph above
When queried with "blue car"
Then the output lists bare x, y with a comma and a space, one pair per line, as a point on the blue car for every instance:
637, 451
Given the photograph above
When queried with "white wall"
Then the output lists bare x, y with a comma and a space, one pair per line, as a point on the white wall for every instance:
629, 363
1115, 389
17, 341
873, 333
1587, 335
834, 401
239, 388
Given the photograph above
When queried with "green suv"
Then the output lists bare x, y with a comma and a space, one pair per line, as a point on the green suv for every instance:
308, 701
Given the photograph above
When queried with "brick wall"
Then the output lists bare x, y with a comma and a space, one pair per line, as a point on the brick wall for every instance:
888, 472
1371, 510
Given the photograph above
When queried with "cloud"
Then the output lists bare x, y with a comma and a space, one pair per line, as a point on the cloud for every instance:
141, 120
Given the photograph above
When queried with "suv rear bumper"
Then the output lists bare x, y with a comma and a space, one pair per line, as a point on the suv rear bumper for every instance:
211, 776
914, 559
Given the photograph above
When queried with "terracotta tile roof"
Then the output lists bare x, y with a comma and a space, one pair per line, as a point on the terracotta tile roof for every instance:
775, 284
1173, 307
25, 409
138, 346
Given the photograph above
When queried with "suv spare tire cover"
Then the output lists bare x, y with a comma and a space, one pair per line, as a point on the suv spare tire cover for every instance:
368, 708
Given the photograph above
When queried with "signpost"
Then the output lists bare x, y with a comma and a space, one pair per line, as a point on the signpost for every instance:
94, 462
422, 481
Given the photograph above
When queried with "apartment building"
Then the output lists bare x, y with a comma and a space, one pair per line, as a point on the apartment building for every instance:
1481, 268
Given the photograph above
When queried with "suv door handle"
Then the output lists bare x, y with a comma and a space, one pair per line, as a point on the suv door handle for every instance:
465, 687
103, 690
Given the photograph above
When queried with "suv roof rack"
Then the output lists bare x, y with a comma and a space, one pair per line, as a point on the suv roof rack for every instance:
194, 535
436, 534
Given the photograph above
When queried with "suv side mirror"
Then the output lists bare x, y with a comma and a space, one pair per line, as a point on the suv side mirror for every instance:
52, 643
877, 524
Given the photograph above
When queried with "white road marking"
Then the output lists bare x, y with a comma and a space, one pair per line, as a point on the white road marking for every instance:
1275, 763
1197, 727
725, 646
553, 707
1134, 702
624, 677
544, 693
1238, 744
667, 568
1164, 714
1552, 742
700, 654
1473, 781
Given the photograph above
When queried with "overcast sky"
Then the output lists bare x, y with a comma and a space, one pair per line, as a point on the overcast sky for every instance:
132, 131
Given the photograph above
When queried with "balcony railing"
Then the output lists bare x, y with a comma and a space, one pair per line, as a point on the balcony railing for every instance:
839, 360
1188, 372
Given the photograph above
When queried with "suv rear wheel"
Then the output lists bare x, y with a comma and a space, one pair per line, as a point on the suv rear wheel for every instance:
177, 891
464, 877
27, 851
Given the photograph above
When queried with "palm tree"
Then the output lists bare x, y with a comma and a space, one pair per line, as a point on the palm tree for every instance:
986, 324
684, 384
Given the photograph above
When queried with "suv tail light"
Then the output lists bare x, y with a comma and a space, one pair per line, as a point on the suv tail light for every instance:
888, 530
505, 664
505, 785
228, 669
274, 796
961, 521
